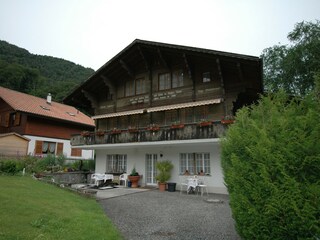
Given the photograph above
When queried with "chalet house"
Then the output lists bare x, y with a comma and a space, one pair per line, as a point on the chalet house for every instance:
155, 101
46, 124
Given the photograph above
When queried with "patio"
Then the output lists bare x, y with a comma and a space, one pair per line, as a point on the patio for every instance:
151, 214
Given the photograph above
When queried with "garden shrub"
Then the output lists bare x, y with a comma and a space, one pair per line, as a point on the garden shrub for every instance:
271, 163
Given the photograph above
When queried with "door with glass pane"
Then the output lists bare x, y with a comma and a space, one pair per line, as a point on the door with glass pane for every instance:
151, 171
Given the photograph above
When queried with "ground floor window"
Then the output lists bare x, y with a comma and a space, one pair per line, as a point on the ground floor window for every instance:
116, 163
195, 163
44, 147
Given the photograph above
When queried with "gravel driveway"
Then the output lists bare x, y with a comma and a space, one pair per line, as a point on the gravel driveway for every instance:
169, 215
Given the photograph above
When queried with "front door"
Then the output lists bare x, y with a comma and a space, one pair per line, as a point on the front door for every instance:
151, 170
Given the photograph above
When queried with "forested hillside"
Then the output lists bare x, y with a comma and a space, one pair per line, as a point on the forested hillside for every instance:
38, 75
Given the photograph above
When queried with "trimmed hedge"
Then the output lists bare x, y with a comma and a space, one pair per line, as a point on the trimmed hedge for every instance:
271, 163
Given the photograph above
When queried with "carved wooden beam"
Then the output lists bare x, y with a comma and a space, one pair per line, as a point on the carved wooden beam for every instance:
220, 72
109, 84
186, 61
240, 72
91, 98
146, 63
162, 59
127, 68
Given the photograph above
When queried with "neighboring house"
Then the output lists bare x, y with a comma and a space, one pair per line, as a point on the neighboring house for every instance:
13, 144
47, 124
156, 101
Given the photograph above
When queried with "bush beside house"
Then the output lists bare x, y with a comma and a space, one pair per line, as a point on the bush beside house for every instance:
271, 163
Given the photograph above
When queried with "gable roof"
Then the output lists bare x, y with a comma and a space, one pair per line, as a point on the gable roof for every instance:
14, 134
138, 54
22, 102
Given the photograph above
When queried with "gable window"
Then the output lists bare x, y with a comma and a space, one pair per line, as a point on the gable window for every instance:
129, 88
116, 163
140, 86
206, 77
195, 163
177, 79
164, 81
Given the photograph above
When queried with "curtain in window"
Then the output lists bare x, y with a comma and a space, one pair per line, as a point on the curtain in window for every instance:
45, 146
52, 147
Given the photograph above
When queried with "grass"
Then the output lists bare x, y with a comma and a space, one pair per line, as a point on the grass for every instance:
30, 209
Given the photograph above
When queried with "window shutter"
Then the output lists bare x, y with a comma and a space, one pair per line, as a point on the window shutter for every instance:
38, 147
76, 152
7, 120
60, 149
17, 119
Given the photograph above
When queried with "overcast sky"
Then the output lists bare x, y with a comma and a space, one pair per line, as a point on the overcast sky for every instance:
91, 32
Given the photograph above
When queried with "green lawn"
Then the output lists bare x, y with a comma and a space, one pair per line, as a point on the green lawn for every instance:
30, 209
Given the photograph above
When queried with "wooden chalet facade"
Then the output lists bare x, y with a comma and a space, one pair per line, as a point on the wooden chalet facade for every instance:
47, 124
156, 101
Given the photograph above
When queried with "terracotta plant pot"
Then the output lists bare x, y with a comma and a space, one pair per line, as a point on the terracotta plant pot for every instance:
134, 181
162, 186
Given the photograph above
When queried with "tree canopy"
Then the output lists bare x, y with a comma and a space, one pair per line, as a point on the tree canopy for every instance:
293, 67
38, 75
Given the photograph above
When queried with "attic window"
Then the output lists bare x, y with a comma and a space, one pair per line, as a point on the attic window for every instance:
71, 114
45, 108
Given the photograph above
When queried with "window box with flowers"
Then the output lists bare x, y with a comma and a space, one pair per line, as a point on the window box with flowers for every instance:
177, 125
85, 133
153, 127
229, 119
115, 131
132, 129
205, 123
100, 133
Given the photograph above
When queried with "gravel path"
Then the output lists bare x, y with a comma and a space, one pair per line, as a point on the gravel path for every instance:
169, 215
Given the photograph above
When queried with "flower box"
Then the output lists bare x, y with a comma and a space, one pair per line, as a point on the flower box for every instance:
205, 124
227, 121
177, 126
116, 131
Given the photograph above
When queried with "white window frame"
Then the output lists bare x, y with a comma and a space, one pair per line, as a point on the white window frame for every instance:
194, 163
116, 163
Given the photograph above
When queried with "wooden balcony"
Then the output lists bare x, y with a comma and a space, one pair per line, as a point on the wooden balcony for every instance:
152, 133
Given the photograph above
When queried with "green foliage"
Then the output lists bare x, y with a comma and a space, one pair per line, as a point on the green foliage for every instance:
134, 172
292, 68
271, 163
164, 168
38, 75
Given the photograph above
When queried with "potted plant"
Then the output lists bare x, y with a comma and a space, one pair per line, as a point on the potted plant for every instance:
134, 178
164, 173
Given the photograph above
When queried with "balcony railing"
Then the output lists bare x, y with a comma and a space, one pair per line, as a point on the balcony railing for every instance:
153, 133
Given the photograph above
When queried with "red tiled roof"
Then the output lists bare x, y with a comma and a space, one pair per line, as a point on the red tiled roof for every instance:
30, 104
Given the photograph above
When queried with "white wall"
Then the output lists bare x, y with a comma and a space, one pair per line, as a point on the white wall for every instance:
136, 157
86, 154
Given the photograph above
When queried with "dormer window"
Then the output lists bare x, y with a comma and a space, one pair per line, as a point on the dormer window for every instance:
206, 77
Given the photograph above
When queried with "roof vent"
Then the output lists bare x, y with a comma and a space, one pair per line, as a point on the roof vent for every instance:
49, 98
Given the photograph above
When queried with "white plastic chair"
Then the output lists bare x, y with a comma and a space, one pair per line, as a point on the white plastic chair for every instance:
124, 177
183, 184
202, 185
